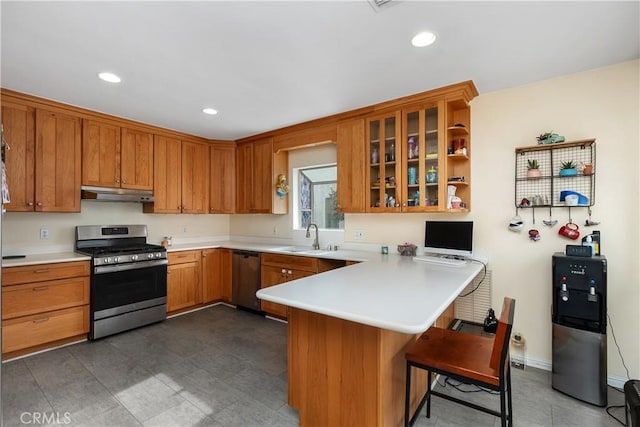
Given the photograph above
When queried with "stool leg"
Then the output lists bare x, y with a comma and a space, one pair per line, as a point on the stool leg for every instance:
510, 419
503, 409
428, 394
407, 397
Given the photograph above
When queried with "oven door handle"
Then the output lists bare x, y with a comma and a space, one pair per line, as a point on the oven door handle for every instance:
130, 266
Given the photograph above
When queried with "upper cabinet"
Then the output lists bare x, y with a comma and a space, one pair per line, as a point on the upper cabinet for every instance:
43, 164
257, 167
350, 154
116, 157
418, 154
58, 166
181, 177
222, 195
18, 122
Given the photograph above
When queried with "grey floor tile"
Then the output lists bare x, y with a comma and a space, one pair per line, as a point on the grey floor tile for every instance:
148, 398
21, 394
116, 417
183, 415
269, 390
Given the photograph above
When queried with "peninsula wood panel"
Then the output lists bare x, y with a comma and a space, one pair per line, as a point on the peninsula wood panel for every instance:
223, 179
58, 160
346, 373
136, 157
19, 126
100, 154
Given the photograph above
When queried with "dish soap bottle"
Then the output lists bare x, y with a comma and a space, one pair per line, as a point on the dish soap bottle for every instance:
588, 241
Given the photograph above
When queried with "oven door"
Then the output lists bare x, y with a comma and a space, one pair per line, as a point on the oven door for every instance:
118, 289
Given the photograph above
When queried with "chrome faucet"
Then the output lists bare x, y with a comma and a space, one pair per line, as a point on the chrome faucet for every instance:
316, 245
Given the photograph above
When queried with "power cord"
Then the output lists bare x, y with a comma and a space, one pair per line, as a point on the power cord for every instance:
481, 280
625, 368
449, 381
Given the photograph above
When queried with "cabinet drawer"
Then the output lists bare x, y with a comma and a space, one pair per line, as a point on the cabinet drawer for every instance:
28, 331
183, 257
44, 272
32, 298
291, 261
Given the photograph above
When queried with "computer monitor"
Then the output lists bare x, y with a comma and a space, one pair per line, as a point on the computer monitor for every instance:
449, 238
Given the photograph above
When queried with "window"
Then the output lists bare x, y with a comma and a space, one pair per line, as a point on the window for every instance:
317, 201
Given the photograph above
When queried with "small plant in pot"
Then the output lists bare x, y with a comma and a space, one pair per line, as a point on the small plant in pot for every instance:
533, 169
568, 169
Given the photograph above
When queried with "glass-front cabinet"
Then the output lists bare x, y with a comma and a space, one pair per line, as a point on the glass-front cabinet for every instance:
423, 143
384, 169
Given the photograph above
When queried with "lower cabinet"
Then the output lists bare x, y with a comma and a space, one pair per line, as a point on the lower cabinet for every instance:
184, 280
216, 275
44, 305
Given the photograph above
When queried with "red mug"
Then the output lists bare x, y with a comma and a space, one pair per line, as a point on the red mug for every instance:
569, 230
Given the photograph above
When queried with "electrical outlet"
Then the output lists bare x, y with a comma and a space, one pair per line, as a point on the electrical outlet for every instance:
184, 228
358, 235
44, 234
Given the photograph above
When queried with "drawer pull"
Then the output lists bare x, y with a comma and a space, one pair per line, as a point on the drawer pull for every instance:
41, 320
41, 288
42, 270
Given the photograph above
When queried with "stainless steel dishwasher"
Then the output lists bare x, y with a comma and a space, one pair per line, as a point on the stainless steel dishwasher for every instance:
246, 279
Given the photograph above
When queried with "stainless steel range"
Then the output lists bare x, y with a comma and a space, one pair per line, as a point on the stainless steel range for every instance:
128, 277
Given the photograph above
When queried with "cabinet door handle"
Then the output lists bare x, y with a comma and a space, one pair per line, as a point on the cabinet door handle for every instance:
30, 204
39, 204
41, 320
42, 270
124, 181
117, 181
41, 288
289, 272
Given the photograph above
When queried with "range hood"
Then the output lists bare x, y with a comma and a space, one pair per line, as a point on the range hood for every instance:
105, 194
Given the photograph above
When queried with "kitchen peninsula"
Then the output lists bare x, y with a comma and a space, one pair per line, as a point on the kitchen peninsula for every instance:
348, 331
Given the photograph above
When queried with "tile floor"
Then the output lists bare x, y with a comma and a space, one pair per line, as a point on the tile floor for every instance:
219, 367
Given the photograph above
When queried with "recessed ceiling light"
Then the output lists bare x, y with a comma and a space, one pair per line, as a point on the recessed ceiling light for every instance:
109, 77
210, 111
423, 39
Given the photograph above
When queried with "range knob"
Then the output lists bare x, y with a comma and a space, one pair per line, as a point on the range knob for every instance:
107, 260
158, 254
116, 259
149, 255
134, 257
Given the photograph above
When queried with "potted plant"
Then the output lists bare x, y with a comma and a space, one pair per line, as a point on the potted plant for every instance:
533, 169
568, 168
549, 138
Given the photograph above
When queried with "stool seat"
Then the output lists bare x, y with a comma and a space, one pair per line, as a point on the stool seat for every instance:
459, 354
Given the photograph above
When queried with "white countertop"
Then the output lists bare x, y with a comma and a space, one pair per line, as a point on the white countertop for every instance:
388, 291
46, 258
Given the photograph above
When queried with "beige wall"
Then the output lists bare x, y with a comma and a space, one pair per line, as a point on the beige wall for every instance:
22, 230
602, 104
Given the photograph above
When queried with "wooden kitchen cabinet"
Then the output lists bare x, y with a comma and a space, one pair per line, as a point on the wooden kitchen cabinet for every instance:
136, 159
18, 123
44, 162
116, 157
256, 170
227, 271
44, 306
212, 275
195, 178
276, 269
350, 154
181, 177
222, 198
183, 280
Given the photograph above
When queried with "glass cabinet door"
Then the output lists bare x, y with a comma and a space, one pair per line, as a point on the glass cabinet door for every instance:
383, 134
422, 156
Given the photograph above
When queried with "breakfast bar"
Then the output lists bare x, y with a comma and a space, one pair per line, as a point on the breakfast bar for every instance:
348, 331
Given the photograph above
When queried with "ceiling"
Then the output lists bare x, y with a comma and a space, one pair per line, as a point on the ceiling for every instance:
269, 64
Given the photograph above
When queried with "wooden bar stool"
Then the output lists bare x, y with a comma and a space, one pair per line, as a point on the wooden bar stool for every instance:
472, 359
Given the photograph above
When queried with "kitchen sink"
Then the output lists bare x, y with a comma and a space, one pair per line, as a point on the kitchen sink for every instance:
301, 250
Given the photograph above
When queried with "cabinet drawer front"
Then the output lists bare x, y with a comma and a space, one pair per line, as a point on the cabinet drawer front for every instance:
291, 261
183, 256
44, 272
29, 331
32, 298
